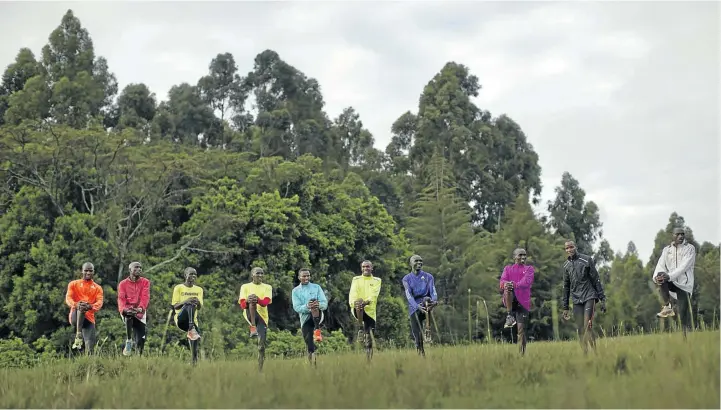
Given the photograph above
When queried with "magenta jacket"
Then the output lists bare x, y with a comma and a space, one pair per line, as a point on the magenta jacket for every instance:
522, 278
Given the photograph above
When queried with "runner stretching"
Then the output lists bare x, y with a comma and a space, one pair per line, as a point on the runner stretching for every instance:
133, 300
254, 300
674, 277
420, 291
581, 282
516, 282
363, 298
309, 302
84, 296
187, 300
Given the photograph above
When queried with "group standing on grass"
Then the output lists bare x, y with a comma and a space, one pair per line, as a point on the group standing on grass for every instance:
674, 276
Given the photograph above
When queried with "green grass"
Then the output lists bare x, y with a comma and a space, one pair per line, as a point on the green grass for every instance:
653, 371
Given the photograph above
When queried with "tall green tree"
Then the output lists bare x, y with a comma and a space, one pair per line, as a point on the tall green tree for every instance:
491, 159
15, 76
81, 85
571, 217
440, 228
222, 87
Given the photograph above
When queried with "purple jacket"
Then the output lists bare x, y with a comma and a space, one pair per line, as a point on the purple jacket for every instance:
522, 278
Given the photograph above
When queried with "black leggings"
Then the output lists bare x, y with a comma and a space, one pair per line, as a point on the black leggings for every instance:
87, 328
583, 313
307, 329
136, 331
185, 320
261, 327
683, 303
418, 319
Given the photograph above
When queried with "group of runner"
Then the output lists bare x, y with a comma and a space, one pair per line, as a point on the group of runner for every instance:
581, 284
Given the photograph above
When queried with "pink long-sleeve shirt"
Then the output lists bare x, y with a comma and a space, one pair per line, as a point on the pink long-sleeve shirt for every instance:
522, 278
134, 294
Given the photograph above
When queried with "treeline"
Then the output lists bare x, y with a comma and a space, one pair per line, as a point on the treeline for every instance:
235, 171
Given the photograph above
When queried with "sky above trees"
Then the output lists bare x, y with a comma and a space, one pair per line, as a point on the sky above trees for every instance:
624, 96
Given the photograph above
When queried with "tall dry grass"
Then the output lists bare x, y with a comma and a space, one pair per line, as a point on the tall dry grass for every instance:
651, 371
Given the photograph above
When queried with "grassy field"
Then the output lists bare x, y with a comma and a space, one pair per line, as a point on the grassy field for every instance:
653, 371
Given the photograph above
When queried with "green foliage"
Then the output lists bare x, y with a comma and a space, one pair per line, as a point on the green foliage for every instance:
15, 353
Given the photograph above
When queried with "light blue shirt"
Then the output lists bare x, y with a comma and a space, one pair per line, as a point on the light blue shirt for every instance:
302, 294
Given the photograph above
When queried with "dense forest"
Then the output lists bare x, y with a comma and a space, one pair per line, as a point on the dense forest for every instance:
237, 170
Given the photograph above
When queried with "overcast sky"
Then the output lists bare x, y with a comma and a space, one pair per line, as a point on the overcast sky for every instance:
625, 96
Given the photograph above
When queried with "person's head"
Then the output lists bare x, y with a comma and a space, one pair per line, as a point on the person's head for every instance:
570, 248
304, 276
256, 274
366, 268
416, 263
679, 235
519, 256
88, 271
191, 275
136, 270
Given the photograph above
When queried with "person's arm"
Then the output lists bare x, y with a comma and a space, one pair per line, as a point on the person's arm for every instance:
688, 260
409, 295
243, 297
432, 285
200, 299
122, 292
70, 299
660, 265
145, 296
267, 300
373, 299
527, 279
322, 299
298, 304
566, 288
353, 294
98, 299
504, 278
175, 300
596, 279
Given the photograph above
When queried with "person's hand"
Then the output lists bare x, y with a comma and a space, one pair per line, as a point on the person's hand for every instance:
509, 286
566, 315
128, 312
661, 277
253, 299
603, 306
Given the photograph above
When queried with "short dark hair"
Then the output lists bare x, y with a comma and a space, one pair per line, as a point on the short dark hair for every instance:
301, 270
190, 270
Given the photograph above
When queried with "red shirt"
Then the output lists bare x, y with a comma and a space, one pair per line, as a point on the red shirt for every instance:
134, 294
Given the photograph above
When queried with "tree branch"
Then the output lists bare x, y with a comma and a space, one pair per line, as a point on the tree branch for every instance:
177, 254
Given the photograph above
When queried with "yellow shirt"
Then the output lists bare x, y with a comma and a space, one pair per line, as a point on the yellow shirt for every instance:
262, 291
366, 288
181, 293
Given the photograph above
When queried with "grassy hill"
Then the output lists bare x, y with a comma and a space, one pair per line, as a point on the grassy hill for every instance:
652, 371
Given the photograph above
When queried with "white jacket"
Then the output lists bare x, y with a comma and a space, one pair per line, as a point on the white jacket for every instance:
678, 262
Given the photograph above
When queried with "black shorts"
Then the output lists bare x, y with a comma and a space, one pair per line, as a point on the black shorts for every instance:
368, 322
